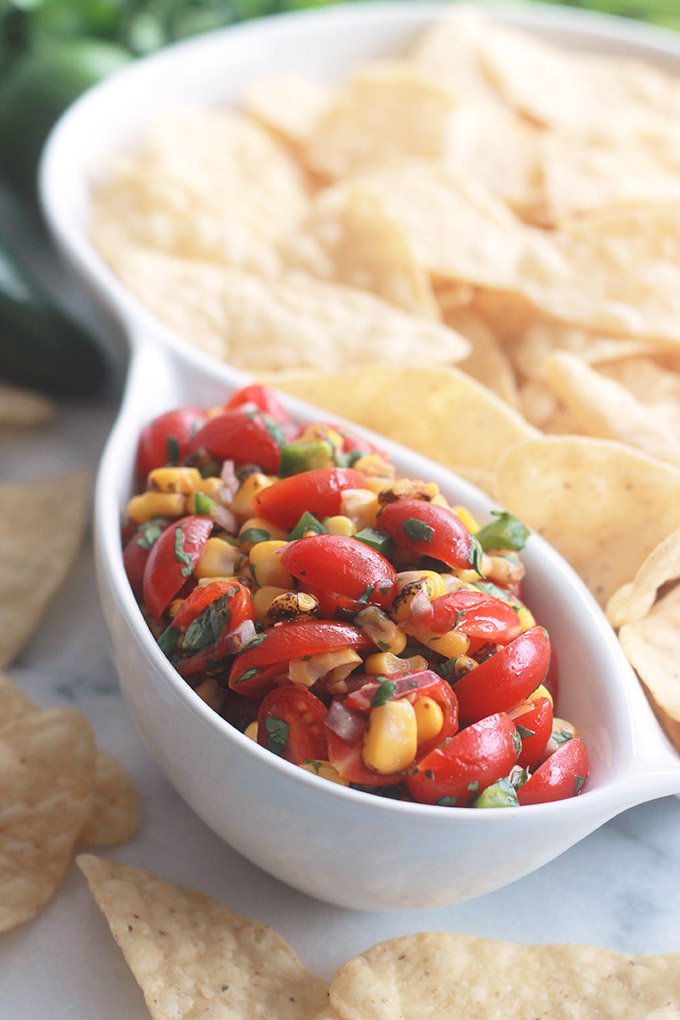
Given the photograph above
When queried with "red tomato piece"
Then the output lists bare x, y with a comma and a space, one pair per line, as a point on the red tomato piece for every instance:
239, 608
505, 678
462, 767
166, 439
534, 726
351, 443
343, 566
346, 758
196, 602
246, 437
261, 397
318, 491
253, 670
562, 775
430, 530
484, 618
290, 723
136, 552
172, 560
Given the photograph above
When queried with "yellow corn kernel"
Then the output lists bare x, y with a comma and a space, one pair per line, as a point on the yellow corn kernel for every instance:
218, 559
251, 731
266, 566
451, 644
174, 479
415, 663
434, 582
377, 484
361, 506
142, 508
441, 500
400, 609
242, 503
391, 738
384, 662
211, 692
410, 488
174, 607
429, 719
541, 692
333, 667
374, 466
292, 605
257, 524
468, 519
263, 598
526, 619
325, 770
381, 630
318, 431
340, 525
213, 488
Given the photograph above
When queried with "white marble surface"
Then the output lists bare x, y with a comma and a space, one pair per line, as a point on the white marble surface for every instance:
619, 888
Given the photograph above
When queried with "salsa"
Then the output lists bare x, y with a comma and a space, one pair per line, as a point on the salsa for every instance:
348, 619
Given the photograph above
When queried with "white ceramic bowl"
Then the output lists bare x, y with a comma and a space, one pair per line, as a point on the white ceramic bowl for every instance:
338, 844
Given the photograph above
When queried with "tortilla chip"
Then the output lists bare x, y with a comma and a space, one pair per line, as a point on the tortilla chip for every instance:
288, 104
445, 975
192, 957
602, 505
449, 49
24, 408
441, 413
45, 797
652, 646
13, 703
291, 323
487, 362
42, 527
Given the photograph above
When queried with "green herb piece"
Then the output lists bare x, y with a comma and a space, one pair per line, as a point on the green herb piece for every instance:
365, 596
517, 741
172, 447
307, 523
254, 642
475, 557
168, 640
524, 732
447, 669
447, 801
316, 765
417, 531
305, 455
500, 593
274, 430
518, 776
208, 625
149, 534
561, 736
459, 616
377, 540
473, 786
203, 504
248, 675
500, 794
254, 535
383, 646
277, 734
506, 532
180, 555
384, 692
578, 783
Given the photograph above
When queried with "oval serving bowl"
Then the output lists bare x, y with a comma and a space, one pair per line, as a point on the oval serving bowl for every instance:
341, 845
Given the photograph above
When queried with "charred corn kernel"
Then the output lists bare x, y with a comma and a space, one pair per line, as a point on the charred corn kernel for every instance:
142, 508
340, 525
451, 644
214, 488
174, 479
541, 692
429, 719
464, 664
174, 607
266, 566
468, 577
292, 605
318, 431
381, 630
218, 559
526, 618
434, 582
378, 484
391, 738
400, 609
325, 770
242, 503
336, 666
251, 731
211, 692
463, 514
263, 598
372, 465
361, 506
255, 530
410, 488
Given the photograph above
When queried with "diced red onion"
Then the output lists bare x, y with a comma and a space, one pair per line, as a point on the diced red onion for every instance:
239, 637
229, 480
346, 723
224, 518
420, 607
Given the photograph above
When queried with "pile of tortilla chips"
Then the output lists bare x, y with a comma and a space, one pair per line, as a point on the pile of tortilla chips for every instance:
56, 788
192, 957
486, 200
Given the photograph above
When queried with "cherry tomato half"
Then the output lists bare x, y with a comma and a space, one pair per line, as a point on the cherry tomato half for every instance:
238, 607
342, 566
461, 768
534, 725
562, 775
290, 723
166, 439
246, 437
484, 618
137, 549
505, 678
253, 671
317, 491
430, 530
261, 397
172, 560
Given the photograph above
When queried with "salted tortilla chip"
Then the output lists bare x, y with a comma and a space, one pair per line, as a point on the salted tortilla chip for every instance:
487, 361
46, 772
192, 957
603, 407
24, 408
652, 646
449, 49
13, 703
633, 601
42, 527
292, 323
601, 504
442, 413
288, 104
445, 975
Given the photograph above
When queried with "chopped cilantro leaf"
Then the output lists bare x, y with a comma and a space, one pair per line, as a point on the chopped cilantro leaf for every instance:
168, 640
172, 448
506, 532
149, 534
180, 555
473, 786
561, 736
254, 535
365, 596
384, 692
277, 734
524, 732
447, 801
417, 531
249, 673
578, 783
203, 504
208, 625
475, 557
